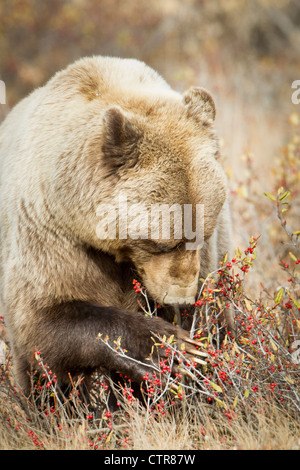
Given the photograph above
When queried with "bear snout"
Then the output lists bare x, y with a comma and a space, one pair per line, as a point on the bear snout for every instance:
180, 296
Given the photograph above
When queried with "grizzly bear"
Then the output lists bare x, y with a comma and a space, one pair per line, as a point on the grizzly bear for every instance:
100, 128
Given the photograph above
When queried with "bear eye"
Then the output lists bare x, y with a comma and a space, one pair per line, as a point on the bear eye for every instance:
161, 248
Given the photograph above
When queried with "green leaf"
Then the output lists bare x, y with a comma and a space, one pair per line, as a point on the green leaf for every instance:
296, 303
289, 380
118, 342
244, 340
171, 339
279, 296
286, 194
272, 357
280, 190
274, 347
220, 402
216, 387
238, 253
270, 196
247, 393
292, 256
225, 258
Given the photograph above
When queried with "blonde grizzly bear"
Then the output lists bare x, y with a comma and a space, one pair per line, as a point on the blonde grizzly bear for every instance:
102, 127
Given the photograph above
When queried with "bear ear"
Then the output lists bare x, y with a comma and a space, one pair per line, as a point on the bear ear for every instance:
120, 139
117, 127
200, 104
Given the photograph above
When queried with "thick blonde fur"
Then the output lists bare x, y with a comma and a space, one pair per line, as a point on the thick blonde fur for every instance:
101, 126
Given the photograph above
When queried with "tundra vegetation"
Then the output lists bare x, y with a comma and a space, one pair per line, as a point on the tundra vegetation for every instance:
245, 394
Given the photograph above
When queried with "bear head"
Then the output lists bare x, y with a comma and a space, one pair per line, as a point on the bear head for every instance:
155, 187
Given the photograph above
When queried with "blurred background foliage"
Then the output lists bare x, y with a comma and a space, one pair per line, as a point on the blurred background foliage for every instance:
257, 41
245, 52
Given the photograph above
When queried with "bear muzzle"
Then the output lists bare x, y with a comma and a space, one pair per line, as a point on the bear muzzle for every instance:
180, 296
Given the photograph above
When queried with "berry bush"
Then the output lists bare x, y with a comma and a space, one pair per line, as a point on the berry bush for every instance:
239, 390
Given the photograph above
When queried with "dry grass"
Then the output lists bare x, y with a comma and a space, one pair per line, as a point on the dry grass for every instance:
265, 430
267, 427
